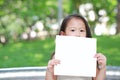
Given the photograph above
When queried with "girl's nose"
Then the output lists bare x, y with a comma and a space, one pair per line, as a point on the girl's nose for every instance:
78, 34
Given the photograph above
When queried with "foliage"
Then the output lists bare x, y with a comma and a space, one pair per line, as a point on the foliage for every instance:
109, 6
17, 16
37, 52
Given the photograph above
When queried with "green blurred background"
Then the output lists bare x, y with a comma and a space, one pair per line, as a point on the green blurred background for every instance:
28, 29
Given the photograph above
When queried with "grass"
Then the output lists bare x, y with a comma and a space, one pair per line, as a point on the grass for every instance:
26, 53
110, 47
37, 52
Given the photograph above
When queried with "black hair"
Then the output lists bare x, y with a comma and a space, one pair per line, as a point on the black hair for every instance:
68, 18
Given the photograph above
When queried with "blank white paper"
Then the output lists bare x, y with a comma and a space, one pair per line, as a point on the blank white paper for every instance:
76, 55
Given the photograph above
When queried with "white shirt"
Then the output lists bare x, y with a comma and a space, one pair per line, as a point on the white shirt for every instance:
73, 78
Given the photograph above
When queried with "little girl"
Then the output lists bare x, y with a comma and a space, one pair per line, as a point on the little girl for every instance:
76, 25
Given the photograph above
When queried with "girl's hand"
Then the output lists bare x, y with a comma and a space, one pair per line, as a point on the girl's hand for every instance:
101, 59
52, 63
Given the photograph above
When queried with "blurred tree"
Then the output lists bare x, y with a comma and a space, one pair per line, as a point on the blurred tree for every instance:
118, 17
17, 16
108, 5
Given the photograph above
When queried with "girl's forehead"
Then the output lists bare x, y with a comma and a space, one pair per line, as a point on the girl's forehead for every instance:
76, 21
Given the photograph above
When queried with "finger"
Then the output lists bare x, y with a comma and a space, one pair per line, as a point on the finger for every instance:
101, 59
53, 62
98, 55
100, 62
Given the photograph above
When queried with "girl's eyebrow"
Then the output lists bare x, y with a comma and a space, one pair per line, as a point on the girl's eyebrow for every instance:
82, 28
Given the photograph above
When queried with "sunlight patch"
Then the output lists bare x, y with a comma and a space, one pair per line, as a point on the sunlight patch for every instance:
38, 55
46, 46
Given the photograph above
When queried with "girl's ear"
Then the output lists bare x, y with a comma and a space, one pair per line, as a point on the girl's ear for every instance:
62, 33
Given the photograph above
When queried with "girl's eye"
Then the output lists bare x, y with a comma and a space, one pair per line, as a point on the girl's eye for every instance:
72, 30
82, 30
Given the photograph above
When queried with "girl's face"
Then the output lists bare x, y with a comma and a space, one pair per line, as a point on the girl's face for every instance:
75, 27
